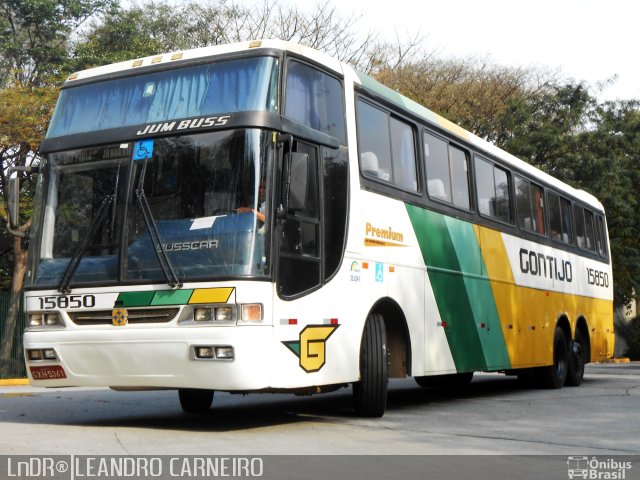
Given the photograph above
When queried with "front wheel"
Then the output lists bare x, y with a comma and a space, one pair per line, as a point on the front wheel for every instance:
194, 400
370, 393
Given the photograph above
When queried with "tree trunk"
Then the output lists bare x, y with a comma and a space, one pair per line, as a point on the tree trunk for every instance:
11, 322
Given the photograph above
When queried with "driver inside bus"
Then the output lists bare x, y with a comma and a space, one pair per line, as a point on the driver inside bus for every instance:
260, 212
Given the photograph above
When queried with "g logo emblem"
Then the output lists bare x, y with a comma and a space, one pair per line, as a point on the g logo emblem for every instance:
311, 348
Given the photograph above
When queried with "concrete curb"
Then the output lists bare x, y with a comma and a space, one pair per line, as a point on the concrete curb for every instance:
13, 382
616, 360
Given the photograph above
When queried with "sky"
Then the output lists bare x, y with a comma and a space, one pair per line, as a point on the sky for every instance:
588, 40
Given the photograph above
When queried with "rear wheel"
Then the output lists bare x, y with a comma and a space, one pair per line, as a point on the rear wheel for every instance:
370, 393
577, 360
452, 380
555, 375
195, 400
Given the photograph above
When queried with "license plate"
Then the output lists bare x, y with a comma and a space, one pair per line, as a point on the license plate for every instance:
47, 373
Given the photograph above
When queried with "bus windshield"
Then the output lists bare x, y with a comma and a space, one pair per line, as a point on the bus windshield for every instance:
231, 86
113, 215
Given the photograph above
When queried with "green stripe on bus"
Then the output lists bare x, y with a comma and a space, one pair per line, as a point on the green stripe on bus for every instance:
134, 299
462, 290
449, 288
479, 292
172, 297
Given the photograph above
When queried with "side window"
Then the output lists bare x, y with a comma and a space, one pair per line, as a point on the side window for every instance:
601, 236
373, 139
403, 155
589, 230
503, 194
585, 232
447, 172
387, 147
492, 184
459, 177
581, 238
437, 160
315, 99
559, 218
529, 205
565, 212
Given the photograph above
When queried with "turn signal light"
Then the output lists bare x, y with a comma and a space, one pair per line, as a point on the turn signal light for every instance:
251, 312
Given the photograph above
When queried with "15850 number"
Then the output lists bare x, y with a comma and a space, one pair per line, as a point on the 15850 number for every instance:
67, 301
597, 278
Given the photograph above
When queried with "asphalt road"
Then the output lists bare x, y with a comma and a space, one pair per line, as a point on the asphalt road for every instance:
493, 415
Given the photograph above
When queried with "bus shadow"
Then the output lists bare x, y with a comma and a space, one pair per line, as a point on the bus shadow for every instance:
161, 410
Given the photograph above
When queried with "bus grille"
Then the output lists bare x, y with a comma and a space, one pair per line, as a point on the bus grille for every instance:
135, 316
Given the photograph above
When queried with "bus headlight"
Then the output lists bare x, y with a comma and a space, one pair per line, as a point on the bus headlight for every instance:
45, 320
49, 354
224, 353
36, 320
35, 354
224, 314
202, 315
51, 319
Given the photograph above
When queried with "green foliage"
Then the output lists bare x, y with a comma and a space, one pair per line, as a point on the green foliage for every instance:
137, 32
630, 333
35, 36
591, 145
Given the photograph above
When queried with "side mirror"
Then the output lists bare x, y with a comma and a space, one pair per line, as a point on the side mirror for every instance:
296, 180
14, 202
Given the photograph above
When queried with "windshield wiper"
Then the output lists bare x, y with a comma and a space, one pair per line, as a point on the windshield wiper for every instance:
79, 253
161, 253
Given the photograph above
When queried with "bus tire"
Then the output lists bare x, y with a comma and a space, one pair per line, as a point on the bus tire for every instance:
450, 380
555, 375
195, 400
577, 360
370, 393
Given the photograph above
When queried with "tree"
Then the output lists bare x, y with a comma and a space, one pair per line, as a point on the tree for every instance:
24, 114
471, 92
590, 145
34, 44
36, 34
157, 27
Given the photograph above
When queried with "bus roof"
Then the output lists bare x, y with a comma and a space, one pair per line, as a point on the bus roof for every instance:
164, 59
365, 80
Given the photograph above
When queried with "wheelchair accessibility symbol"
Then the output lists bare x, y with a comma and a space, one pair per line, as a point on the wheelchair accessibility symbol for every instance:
379, 272
143, 149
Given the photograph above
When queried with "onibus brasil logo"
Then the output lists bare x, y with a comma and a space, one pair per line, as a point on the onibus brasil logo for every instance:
597, 469
312, 346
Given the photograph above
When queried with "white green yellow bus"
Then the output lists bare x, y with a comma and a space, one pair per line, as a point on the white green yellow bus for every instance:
260, 217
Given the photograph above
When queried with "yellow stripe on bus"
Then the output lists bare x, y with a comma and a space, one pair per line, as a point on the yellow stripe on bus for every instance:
211, 295
528, 316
